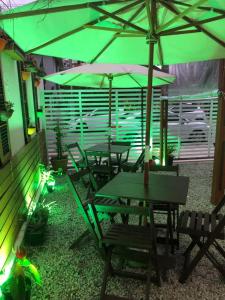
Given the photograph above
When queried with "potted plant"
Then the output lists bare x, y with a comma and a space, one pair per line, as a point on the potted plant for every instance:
171, 148
18, 285
37, 224
61, 160
7, 112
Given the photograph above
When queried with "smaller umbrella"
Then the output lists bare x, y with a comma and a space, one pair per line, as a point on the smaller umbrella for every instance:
108, 76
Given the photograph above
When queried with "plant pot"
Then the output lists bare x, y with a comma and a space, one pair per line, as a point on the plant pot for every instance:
35, 232
37, 82
59, 163
5, 115
31, 130
25, 75
17, 288
170, 160
151, 163
40, 113
3, 43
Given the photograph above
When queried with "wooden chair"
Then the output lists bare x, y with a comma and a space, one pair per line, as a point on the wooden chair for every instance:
114, 160
205, 230
133, 167
82, 202
81, 163
102, 171
172, 211
128, 242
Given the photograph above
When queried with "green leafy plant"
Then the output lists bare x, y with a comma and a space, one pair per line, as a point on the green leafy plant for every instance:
37, 224
18, 285
171, 148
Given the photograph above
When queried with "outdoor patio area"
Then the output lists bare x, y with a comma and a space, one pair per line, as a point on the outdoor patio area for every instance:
77, 274
112, 150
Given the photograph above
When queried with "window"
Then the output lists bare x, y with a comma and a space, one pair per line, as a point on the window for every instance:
4, 136
24, 104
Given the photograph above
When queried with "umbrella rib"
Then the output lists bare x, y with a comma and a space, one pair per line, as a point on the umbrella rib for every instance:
75, 77
180, 15
113, 16
205, 8
117, 34
175, 29
60, 37
160, 52
54, 9
134, 80
206, 32
114, 29
102, 81
181, 32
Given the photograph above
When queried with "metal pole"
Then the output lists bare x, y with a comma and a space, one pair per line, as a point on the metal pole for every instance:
110, 78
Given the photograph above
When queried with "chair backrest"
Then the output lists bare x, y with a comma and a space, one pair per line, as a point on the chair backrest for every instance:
80, 201
97, 156
121, 143
98, 209
139, 161
171, 169
71, 146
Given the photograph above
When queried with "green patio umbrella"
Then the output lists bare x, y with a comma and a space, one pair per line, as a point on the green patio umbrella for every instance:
109, 76
157, 32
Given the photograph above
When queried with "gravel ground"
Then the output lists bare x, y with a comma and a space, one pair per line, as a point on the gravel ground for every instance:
77, 274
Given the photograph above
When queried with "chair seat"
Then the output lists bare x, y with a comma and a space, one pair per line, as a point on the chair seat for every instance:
129, 236
102, 169
199, 224
164, 207
129, 166
83, 164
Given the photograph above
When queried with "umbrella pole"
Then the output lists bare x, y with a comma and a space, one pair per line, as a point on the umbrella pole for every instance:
148, 112
110, 78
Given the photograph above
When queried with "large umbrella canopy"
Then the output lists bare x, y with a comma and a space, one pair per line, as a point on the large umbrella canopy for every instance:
118, 31
97, 75
157, 32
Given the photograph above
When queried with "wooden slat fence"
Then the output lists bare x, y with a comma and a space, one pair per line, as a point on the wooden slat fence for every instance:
83, 116
19, 182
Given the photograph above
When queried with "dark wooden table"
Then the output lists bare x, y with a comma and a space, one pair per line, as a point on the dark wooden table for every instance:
118, 150
162, 188
114, 149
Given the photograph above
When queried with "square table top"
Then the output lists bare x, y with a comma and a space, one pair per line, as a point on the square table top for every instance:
104, 147
162, 188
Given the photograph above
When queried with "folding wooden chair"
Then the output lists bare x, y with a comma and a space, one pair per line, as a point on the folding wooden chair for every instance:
81, 163
102, 171
172, 211
82, 202
133, 167
204, 229
128, 242
114, 160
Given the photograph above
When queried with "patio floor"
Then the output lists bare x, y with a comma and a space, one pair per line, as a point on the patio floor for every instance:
77, 274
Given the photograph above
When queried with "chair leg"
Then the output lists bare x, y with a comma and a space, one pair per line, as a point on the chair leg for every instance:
77, 241
178, 234
148, 281
170, 225
106, 272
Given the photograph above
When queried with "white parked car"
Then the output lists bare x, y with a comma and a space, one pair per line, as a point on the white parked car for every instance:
189, 127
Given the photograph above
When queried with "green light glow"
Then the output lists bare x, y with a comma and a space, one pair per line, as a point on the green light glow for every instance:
157, 161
